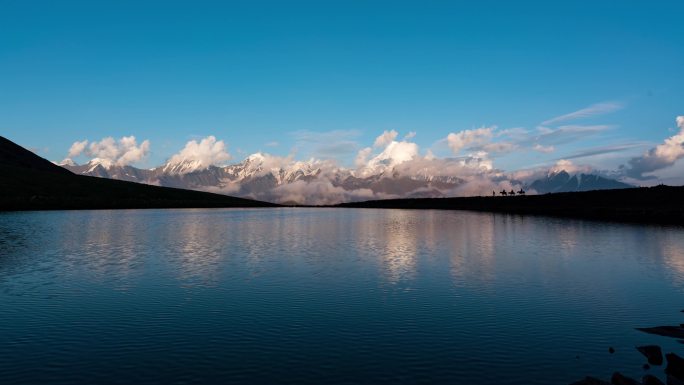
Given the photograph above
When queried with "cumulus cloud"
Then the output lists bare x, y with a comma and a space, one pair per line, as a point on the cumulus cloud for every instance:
659, 157
385, 138
77, 149
593, 110
120, 152
130, 151
362, 157
202, 154
479, 136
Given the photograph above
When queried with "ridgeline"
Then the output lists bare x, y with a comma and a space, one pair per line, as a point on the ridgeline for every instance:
29, 182
658, 205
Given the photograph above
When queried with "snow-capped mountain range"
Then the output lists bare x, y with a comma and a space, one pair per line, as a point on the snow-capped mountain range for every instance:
284, 180
562, 181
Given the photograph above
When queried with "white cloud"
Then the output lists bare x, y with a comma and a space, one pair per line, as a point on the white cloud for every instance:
77, 149
457, 141
320, 192
131, 152
410, 135
385, 138
110, 151
205, 153
362, 157
544, 149
659, 157
593, 110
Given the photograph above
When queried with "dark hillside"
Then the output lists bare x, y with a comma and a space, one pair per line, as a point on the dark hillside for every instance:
660, 204
29, 182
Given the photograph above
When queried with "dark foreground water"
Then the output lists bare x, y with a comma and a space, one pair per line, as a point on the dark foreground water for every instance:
329, 296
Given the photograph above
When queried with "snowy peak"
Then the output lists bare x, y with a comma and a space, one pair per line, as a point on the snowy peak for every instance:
184, 166
95, 162
394, 154
562, 181
67, 162
282, 170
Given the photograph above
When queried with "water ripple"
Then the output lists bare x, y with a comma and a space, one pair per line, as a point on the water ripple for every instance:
328, 296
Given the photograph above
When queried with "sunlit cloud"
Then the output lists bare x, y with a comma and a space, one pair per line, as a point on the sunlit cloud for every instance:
458, 141
120, 152
77, 148
385, 138
200, 155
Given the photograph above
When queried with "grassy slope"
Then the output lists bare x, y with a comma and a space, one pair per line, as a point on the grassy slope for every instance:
661, 204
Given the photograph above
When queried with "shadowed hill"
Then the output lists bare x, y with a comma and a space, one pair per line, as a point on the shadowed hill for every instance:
13, 155
29, 182
661, 204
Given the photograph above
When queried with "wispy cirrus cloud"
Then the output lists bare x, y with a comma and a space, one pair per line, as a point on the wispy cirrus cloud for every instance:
587, 112
327, 144
543, 149
569, 133
605, 150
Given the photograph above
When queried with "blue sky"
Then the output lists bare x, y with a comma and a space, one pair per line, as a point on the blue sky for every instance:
325, 78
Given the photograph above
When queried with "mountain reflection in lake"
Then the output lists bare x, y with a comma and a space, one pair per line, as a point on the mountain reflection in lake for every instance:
311, 296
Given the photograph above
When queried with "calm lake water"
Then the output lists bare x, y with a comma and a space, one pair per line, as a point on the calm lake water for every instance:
329, 296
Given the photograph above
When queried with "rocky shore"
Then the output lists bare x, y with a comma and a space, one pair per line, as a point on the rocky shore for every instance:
673, 373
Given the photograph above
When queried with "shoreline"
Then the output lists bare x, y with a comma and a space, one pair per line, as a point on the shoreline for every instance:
650, 205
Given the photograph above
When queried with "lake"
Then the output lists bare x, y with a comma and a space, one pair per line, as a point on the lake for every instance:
330, 296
